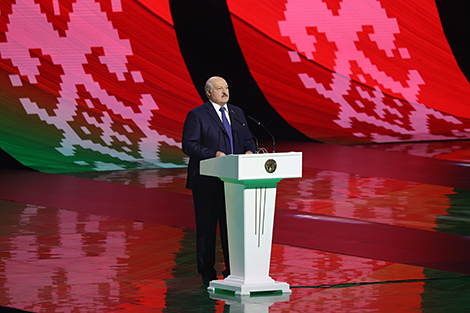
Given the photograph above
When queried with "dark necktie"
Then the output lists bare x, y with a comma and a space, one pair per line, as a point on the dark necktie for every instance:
227, 126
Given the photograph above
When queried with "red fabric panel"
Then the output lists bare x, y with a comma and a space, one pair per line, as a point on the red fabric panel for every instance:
355, 71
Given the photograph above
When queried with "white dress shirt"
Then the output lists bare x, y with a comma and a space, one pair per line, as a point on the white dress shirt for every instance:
217, 109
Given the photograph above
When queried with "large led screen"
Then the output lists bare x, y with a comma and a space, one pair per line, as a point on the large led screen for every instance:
355, 71
92, 85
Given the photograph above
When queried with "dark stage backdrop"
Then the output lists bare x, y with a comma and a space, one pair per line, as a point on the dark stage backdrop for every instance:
90, 85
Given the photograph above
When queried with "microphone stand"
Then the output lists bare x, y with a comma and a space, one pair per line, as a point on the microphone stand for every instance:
272, 137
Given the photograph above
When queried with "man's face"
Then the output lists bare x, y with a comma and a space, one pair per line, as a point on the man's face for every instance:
219, 93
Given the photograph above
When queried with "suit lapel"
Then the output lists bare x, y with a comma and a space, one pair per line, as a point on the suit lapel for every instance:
233, 118
214, 116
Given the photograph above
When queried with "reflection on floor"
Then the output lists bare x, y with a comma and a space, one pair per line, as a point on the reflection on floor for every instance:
69, 259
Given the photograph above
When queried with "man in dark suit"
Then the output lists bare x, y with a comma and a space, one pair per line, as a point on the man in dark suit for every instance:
213, 129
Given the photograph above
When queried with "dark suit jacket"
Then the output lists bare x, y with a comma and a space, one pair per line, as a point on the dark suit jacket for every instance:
204, 135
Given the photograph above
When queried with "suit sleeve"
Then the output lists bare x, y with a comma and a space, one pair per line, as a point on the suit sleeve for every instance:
192, 139
250, 143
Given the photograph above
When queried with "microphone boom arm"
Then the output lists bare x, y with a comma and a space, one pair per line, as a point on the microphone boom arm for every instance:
272, 137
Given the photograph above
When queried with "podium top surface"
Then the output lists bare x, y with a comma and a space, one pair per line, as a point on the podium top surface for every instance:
242, 167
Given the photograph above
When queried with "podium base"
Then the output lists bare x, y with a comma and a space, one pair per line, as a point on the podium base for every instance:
242, 288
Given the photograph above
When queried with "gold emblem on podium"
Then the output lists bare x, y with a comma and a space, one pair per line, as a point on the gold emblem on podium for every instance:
270, 166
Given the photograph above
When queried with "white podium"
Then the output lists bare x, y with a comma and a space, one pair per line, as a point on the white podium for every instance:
250, 182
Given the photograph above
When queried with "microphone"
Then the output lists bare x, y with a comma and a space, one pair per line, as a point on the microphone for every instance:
244, 124
272, 137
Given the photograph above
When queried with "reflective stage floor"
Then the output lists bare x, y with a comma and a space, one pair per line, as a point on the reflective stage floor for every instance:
382, 228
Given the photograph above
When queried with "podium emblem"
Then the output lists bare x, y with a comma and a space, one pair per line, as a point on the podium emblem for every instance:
270, 166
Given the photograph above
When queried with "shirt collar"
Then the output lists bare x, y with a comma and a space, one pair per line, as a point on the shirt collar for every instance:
217, 107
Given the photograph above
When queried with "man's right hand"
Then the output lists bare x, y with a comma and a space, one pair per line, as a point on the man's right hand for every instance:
219, 154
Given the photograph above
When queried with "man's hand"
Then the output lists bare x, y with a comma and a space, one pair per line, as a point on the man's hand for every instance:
219, 154
249, 152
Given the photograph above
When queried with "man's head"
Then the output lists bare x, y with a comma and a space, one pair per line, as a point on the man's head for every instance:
217, 90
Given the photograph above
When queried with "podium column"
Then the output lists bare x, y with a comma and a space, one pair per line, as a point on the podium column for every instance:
250, 182
250, 220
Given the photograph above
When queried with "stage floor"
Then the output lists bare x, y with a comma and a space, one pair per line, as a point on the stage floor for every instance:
383, 228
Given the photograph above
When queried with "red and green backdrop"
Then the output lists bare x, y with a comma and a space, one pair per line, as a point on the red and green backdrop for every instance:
102, 84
